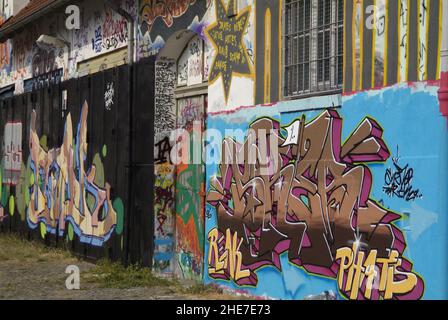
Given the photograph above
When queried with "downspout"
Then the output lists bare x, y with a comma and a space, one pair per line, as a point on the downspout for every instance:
443, 91
131, 60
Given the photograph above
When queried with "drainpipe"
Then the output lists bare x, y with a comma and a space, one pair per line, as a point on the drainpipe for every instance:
443, 91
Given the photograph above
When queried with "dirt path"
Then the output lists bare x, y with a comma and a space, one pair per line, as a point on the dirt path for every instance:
32, 271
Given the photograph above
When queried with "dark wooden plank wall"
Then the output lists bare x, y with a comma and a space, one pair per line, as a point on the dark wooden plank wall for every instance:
127, 131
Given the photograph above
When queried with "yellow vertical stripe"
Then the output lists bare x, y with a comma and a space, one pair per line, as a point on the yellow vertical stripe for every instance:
399, 43
418, 38
267, 56
344, 36
408, 18
355, 68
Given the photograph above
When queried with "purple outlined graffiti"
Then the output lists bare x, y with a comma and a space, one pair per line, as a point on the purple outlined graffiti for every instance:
308, 195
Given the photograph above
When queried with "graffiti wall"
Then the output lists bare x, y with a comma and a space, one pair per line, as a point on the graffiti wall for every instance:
55, 192
179, 192
245, 24
190, 189
245, 41
158, 20
62, 176
164, 169
63, 191
164, 215
28, 66
296, 198
5, 54
102, 30
231, 29
329, 200
29, 62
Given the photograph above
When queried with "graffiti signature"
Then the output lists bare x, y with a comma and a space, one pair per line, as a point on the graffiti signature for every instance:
398, 182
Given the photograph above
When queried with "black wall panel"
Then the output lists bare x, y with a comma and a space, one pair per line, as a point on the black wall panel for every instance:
119, 133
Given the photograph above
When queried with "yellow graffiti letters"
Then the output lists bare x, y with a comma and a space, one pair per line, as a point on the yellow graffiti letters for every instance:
372, 273
228, 261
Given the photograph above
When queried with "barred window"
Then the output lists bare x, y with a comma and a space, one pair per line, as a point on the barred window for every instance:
313, 38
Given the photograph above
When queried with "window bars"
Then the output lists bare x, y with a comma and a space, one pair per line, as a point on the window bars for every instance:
313, 37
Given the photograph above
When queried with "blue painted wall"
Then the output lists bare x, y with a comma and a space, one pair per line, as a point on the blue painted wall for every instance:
416, 136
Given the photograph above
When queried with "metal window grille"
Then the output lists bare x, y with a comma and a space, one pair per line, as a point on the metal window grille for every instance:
313, 54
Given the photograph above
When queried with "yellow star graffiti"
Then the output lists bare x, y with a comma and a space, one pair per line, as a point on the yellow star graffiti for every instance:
227, 38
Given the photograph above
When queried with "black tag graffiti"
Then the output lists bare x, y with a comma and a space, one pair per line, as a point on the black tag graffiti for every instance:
398, 182
163, 151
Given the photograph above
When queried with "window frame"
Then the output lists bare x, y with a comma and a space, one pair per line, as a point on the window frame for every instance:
315, 88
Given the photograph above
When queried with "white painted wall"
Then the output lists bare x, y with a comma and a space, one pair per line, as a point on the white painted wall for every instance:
102, 31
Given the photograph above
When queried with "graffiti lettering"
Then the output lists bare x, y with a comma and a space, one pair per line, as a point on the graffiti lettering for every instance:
398, 182
231, 54
229, 262
60, 187
357, 271
40, 81
109, 96
311, 199
115, 28
110, 33
163, 150
97, 41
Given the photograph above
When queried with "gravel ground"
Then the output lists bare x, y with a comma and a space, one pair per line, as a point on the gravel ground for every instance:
29, 271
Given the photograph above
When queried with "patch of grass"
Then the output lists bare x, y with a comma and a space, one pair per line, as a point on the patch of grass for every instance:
13, 247
114, 275
201, 289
